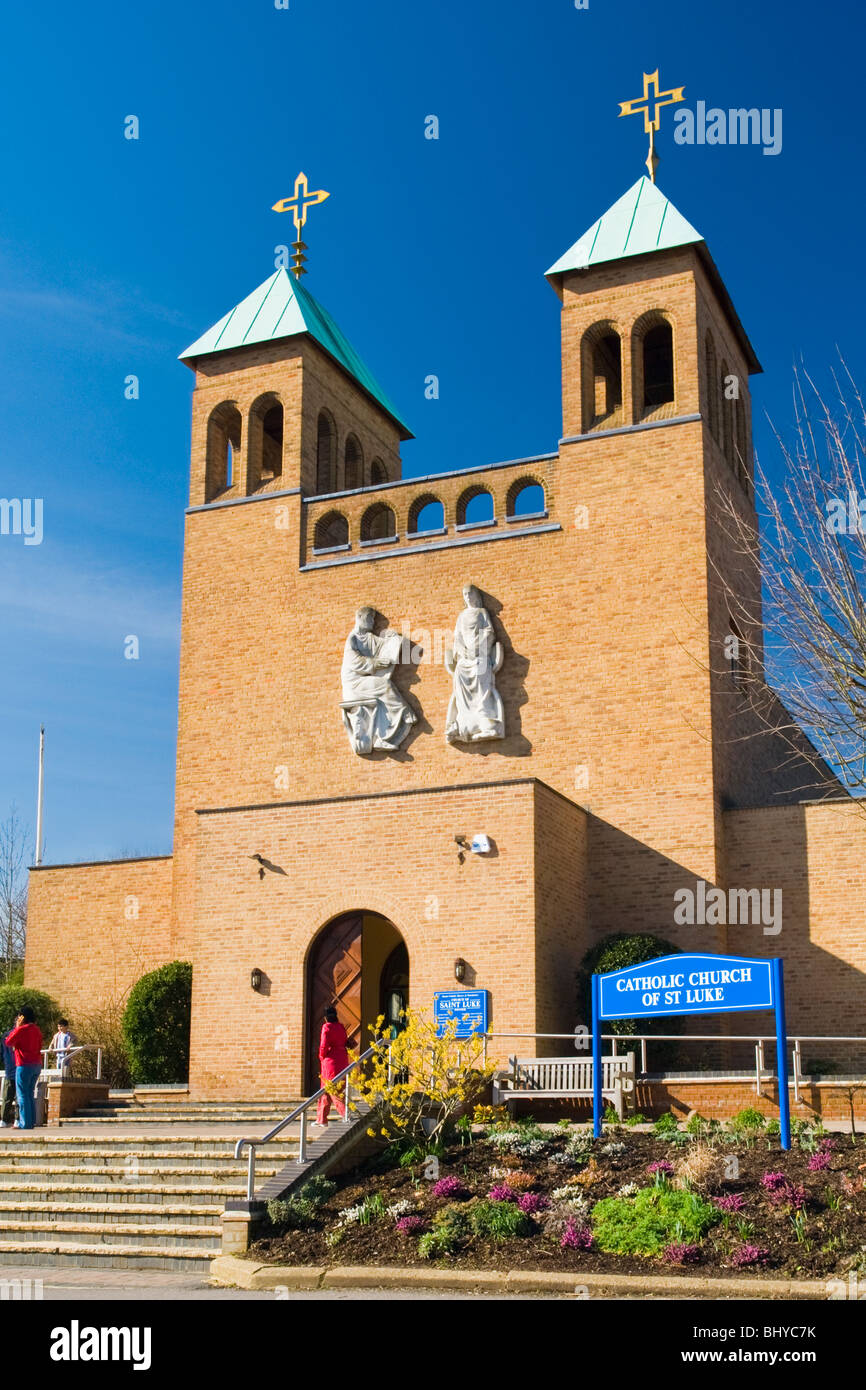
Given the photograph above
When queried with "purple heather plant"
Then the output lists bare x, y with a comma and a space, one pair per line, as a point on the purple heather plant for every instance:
819, 1161
678, 1253
411, 1225
501, 1193
782, 1192
576, 1237
749, 1255
448, 1187
732, 1201
532, 1202
661, 1168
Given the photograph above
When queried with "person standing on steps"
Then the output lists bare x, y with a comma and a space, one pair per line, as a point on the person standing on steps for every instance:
26, 1042
7, 1086
333, 1057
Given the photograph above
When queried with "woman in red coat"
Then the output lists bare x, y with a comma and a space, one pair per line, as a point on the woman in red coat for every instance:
333, 1057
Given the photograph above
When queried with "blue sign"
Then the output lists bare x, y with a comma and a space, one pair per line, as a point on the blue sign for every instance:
693, 983
468, 1006
687, 984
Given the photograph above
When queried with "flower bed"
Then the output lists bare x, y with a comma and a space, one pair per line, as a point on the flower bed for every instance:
712, 1199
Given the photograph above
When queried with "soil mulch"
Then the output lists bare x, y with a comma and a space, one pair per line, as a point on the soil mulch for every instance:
831, 1238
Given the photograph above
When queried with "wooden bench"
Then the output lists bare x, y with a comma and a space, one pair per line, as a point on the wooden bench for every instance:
549, 1078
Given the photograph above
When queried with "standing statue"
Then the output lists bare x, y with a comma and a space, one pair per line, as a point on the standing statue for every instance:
475, 711
374, 712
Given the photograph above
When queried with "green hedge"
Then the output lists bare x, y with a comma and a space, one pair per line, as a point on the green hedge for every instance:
156, 1024
12, 1000
615, 952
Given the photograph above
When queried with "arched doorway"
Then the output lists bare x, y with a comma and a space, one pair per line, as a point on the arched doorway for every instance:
359, 964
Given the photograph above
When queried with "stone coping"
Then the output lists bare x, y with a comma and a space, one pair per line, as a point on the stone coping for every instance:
246, 1274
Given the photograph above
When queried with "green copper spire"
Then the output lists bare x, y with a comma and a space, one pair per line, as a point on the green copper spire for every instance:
282, 308
642, 220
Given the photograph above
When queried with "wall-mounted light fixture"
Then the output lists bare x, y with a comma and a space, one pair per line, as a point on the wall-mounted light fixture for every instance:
460, 970
256, 979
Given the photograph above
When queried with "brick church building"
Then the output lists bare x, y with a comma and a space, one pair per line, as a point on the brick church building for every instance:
324, 815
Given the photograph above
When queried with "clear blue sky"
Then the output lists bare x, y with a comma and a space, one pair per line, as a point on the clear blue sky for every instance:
115, 254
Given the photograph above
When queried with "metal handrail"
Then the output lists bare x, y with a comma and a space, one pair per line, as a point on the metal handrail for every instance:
301, 1110
68, 1052
795, 1039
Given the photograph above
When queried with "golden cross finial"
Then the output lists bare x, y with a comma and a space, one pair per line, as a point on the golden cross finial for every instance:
652, 99
298, 204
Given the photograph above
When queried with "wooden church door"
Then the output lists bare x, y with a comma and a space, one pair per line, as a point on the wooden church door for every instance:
335, 979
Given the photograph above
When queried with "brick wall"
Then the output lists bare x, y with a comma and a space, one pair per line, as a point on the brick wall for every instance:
94, 929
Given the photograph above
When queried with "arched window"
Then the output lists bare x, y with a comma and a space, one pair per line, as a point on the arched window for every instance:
265, 440
601, 368
475, 508
378, 472
332, 530
326, 454
426, 514
712, 385
658, 366
354, 465
378, 523
223, 449
525, 498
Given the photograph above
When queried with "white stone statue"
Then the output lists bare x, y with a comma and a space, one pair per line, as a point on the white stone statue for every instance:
374, 712
475, 711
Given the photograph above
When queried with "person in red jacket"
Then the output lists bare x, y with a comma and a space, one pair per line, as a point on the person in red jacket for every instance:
26, 1042
333, 1056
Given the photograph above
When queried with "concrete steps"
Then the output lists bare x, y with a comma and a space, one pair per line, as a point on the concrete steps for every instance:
102, 1190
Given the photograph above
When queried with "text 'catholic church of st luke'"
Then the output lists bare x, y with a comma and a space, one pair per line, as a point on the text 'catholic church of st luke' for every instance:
374, 669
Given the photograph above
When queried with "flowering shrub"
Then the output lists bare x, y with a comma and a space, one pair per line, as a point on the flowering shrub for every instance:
677, 1253
532, 1202
567, 1193
576, 1237
661, 1168
490, 1114
628, 1189
819, 1161
448, 1187
749, 1255
782, 1192
559, 1215
411, 1225
612, 1150
501, 1192
517, 1181
398, 1209
732, 1201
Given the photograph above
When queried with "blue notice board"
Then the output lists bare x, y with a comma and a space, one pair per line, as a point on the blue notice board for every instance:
692, 983
468, 1006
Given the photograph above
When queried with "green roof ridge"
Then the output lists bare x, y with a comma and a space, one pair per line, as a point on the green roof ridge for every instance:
281, 308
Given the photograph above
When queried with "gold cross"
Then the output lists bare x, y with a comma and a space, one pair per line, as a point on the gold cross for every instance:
652, 98
298, 205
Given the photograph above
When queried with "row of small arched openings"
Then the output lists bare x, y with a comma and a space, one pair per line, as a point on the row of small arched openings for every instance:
354, 469
653, 376
225, 429
426, 517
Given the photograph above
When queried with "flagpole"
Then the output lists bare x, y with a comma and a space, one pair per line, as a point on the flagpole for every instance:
39, 795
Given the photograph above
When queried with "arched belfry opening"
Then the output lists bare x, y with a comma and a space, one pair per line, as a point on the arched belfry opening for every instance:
359, 963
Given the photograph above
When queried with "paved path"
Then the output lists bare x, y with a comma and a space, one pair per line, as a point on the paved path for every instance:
146, 1286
